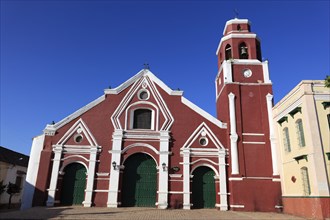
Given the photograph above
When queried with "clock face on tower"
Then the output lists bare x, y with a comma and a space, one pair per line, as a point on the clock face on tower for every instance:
247, 73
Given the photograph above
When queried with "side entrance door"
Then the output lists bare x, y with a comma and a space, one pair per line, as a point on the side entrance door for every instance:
73, 185
139, 186
203, 188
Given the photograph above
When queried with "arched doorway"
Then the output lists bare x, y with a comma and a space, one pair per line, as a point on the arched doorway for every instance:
73, 185
139, 186
203, 188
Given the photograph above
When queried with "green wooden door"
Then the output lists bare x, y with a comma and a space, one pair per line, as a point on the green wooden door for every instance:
203, 188
73, 186
139, 186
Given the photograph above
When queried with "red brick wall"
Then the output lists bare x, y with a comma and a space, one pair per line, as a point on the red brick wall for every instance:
308, 207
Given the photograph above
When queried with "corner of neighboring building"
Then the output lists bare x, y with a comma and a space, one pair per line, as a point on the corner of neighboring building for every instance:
13, 166
302, 124
32, 172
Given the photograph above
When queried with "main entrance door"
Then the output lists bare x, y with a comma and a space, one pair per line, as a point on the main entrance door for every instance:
139, 186
73, 185
203, 188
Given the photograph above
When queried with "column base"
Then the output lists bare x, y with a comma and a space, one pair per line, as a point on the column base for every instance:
112, 205
87, 204
186, 206
162, 206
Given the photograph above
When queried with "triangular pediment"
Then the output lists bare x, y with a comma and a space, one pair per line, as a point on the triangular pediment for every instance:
203, 139
79, 135
143, 81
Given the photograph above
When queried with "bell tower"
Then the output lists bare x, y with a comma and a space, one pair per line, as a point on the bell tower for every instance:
244, 101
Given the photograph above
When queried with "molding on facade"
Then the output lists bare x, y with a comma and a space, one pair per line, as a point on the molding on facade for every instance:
50, 129
235, 35
203, 113
233, 135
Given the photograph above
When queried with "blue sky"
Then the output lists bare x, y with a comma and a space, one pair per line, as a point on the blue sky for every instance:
57, 56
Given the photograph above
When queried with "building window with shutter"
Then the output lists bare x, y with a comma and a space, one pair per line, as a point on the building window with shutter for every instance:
305, 181
300, 133
286, 140
142, 119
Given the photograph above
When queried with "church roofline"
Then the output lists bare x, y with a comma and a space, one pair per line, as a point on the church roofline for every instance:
51, 128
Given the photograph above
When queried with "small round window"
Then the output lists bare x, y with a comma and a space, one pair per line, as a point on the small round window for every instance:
143, 94
203, 141
78, 138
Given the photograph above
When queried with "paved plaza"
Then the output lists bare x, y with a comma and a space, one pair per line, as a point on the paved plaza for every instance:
71, 212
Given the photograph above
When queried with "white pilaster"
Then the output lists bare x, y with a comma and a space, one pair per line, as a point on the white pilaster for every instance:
186, 179
117, 138
53, 181
272, 138
32, 172
90, 177
227, 71
163, 173
233, 135
223, 181
265, 70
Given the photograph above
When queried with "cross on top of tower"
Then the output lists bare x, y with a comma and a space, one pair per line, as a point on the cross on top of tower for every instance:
236, 13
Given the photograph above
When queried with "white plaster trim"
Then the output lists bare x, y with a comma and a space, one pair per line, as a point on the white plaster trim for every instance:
205, 165
140, 145
176, 192
235, 35
276, 180
75, 156
101, 190
272, 138
61, 171
253, 142
237, 206
144, 76
204, 159
235, 178
246, 62
80, 124
235, 21
203, 113
233, 135
197, 133
74, 115
253, 134
175, 175
102, 174
154, 117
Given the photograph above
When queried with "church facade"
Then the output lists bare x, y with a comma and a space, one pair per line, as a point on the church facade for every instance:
144, 144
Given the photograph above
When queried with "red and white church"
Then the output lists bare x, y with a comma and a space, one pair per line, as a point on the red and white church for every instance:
144, 144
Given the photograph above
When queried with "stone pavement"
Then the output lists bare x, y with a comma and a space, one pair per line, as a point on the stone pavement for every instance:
77, 212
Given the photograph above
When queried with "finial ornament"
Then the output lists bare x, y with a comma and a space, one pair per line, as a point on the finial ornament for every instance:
146, 66
236, 13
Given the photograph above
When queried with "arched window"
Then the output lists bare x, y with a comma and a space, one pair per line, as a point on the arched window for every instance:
239, 27
300, 133
142, 119
305, 181
243, 51
228, 52
286, 140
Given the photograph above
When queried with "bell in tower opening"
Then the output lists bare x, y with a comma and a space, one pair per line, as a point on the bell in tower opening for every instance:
243, 53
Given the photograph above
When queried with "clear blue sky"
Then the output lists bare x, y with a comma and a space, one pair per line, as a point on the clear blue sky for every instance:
57, 56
